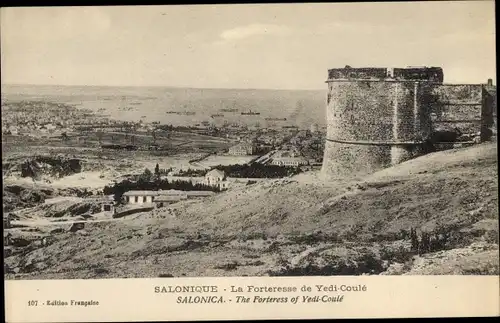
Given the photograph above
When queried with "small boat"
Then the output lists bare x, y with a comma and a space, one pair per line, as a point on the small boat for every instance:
276, 119
250, 113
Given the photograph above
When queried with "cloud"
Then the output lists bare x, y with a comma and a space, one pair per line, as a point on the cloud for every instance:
254, 30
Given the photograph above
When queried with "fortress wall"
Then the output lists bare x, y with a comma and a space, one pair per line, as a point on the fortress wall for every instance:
360, 111
424, 101
377, 117
489, 112
403, 121
357, 112
404, 111
468, 107
342, 159
411, 121
458, 93
366, 118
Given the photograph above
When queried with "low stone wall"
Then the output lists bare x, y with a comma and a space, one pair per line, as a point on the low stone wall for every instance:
120, 214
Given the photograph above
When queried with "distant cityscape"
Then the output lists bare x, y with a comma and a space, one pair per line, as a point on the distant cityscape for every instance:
283, 146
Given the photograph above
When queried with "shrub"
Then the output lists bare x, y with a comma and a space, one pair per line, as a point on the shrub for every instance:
440, 239
400, 255
227, 266
257, 170
101, 271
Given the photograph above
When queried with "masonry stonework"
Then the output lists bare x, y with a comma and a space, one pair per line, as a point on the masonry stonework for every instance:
378, 117
375, 117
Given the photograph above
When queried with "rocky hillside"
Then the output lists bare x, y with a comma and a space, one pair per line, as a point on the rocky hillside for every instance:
447, 201
453, 188
23, 196
40, 166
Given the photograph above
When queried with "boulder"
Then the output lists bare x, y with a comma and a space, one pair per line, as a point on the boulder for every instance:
77, 226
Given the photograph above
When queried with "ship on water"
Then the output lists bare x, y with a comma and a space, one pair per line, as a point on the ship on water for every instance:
250, 113
127, 108
275, 119
185, 113
216, 115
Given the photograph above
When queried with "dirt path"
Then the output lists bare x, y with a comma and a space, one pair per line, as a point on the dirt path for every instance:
295, 261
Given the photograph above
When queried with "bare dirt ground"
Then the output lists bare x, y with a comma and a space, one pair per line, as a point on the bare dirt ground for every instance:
99, 168
296, 226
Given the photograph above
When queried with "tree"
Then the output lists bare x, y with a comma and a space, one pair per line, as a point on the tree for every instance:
157, 170
424, 243
414, 240
153, 134
147, 175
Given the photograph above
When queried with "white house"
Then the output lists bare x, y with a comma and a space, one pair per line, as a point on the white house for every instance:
216, 178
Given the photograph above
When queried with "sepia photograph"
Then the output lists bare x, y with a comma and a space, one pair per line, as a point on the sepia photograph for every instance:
249, 140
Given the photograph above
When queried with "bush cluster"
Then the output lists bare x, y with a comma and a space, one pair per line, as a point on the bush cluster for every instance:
257, 170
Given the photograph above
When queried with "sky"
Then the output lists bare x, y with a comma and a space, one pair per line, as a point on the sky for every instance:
276, 46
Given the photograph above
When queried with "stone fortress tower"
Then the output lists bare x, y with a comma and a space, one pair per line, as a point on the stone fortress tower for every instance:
378, 117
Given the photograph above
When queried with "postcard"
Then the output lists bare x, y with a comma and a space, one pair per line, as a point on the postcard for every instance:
250, 161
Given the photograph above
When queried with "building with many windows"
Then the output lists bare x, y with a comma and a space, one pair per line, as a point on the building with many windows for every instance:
242, 149
161, 198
